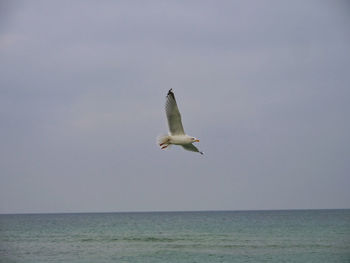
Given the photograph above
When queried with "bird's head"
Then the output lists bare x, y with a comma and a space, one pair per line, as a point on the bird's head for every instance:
193, 139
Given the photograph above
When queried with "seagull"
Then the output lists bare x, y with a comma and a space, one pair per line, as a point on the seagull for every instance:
176, 135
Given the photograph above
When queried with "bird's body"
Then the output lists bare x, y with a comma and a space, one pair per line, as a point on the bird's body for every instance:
177, 134
180, 139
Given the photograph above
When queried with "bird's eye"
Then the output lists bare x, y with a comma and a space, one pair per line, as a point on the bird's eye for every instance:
193, 138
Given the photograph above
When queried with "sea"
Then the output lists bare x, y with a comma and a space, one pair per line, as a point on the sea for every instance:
208, 236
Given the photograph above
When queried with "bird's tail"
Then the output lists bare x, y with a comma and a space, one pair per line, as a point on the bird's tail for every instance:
163, 141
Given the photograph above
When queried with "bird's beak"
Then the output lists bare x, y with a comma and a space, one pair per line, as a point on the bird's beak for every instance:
196, 140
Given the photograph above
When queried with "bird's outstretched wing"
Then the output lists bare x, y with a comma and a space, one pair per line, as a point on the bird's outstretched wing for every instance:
173, 115
191, 147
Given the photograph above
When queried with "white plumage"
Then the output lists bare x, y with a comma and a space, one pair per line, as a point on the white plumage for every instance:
176, 134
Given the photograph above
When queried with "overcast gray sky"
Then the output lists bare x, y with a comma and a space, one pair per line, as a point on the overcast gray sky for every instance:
263, 84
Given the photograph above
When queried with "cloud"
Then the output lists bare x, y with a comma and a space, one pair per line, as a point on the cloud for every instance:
262, 84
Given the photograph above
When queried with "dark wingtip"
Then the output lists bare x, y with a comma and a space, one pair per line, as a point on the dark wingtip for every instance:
171, 93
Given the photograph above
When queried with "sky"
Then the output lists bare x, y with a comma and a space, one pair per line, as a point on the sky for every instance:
264, 85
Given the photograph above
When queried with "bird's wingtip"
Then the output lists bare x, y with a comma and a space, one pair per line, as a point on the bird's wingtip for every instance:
171, 93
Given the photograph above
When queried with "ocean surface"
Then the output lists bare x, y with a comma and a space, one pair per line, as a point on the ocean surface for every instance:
227, 236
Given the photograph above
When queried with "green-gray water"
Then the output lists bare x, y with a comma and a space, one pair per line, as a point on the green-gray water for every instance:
242, 236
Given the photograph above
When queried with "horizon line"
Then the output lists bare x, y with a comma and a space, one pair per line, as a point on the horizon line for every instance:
172, 211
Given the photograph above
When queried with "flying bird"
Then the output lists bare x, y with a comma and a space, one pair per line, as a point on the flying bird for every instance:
177, 135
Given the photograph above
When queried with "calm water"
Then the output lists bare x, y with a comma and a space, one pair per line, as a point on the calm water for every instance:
254, 236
